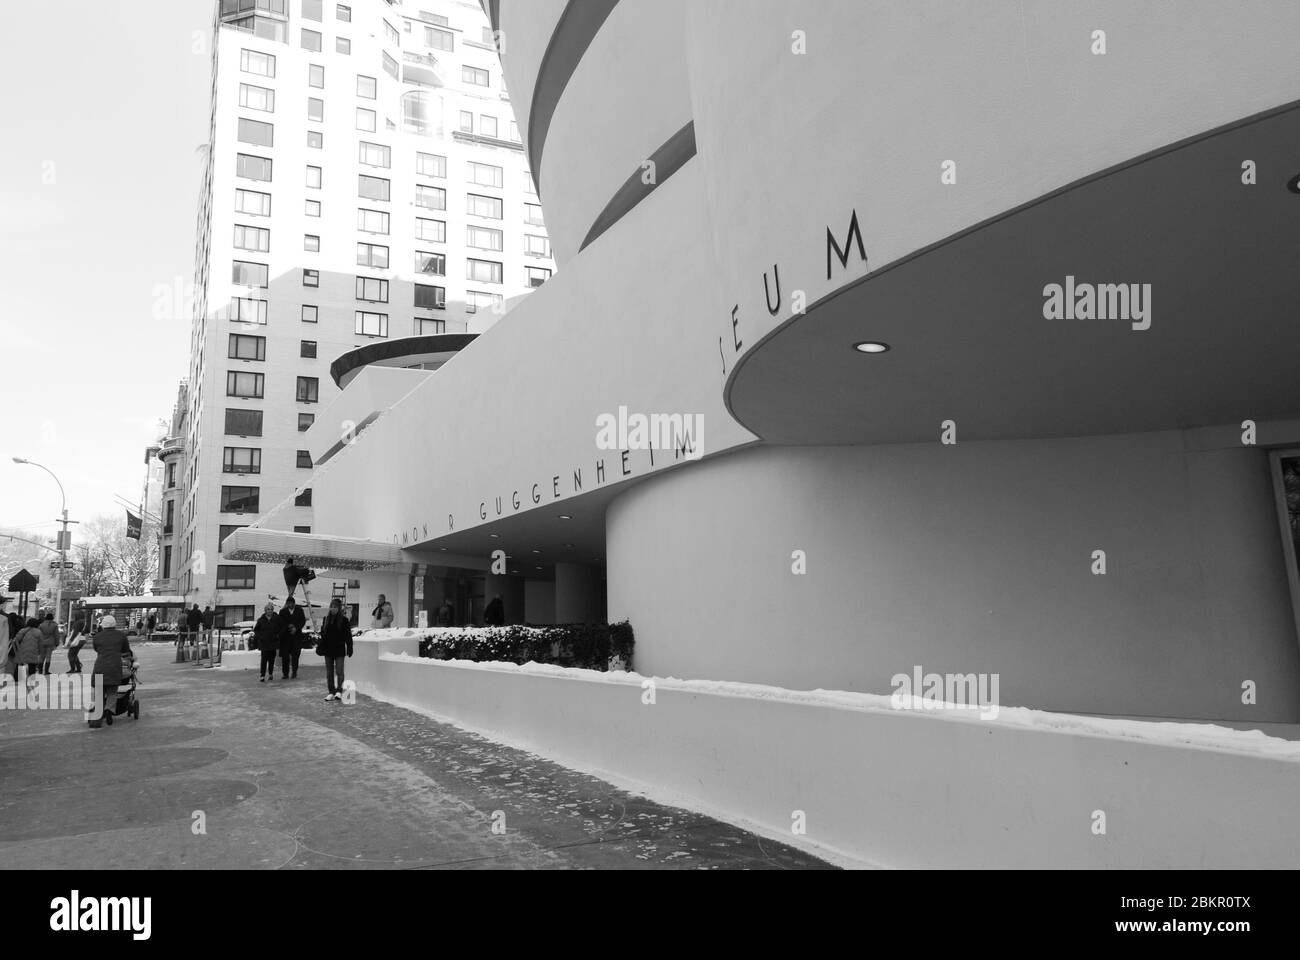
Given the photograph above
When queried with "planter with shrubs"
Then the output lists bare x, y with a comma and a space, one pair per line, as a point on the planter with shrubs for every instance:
588, 646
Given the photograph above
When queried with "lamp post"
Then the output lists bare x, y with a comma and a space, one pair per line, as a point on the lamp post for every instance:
63, 534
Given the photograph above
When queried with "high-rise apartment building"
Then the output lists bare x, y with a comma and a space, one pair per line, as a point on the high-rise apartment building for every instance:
365, 181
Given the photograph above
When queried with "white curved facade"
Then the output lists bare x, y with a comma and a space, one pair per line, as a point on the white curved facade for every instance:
984, 152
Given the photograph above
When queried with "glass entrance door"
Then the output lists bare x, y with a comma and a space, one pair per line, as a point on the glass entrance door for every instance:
1286, 486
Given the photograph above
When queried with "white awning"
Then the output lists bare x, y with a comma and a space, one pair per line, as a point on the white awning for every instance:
131, 602
255, 545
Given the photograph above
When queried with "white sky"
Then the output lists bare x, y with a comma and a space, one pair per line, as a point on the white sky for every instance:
109, 99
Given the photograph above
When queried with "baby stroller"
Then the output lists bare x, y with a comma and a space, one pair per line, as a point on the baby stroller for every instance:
127, 700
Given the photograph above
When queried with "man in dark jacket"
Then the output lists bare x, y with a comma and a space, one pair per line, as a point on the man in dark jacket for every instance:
193, 623
291, 639
267, 634
110, 644
207, 625
495, 614
335, 644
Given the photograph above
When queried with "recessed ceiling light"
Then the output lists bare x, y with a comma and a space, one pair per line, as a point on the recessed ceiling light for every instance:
494, 536
443, 549
537, 551
565, 516
537, 568
871, 346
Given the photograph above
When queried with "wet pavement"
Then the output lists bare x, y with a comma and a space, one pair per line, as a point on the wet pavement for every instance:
222, 771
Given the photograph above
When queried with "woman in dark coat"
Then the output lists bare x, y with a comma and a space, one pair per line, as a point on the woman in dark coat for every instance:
110, 644
29, 647
267, 634
335, 643
49, 641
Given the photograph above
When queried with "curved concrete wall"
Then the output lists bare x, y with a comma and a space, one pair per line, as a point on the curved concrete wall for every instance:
970, 559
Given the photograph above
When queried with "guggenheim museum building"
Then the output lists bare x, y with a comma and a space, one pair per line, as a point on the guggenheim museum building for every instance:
883, 335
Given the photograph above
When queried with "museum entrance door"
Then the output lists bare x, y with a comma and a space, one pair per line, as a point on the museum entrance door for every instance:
1286, 487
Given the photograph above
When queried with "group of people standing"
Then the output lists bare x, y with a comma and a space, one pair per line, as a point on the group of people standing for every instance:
284, 633
29, 643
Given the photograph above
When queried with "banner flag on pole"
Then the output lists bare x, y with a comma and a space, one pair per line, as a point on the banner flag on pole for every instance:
133, 526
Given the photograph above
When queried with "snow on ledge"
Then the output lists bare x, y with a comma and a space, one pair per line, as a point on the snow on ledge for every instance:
1164, 733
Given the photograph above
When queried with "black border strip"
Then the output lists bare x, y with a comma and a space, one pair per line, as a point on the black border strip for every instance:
667, 160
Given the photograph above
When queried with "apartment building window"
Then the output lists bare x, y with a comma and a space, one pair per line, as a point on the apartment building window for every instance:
533, 214
431, 198
488, 207
475, 76
430, 165
530, 188
243, 347
307, 348
245, 386
435, 231
430, 264
342, 45
252, 168
316, 76
429, 328
466, 122
483, 271
487, 126
374, 155
305, 420
366, 120
242, 460
484, 238
514, 132
256, 98
316, 109
252, 203
390, 66
439, 39
256, 132
311, 278
309, 313
169, 523
372, 324
171, 476
315, 139
311, 243
430, 298
243, 423
247, 310
372, 289
372, 221
167, 563
536, 246
303, 499
245, 274
343, 13
311, 10
308, 390
310, 40
313, 177
312, 208
236, 577
477, 300
239, 500
537, 275
391, 34
367, 87
304, 460
485, 175
373, 188
224, 530
257, 239
262, 64
372, 255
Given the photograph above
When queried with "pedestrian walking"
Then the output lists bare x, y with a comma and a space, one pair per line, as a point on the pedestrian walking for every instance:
49, 641
335, 644
194, 623
445, 614
29, 648
267, 634
495, 614
207, 625
382, 615
8, 642
150, 623
291, 640
75, 642
110, 644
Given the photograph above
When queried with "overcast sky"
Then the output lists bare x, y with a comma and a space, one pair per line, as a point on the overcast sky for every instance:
106, 103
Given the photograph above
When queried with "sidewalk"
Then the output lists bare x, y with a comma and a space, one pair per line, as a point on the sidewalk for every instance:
224, 772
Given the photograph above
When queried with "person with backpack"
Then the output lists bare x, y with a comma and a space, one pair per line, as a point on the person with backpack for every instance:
382, 615
268, 634
335, 644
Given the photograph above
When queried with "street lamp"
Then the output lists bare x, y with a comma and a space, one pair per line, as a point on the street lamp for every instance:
63, 536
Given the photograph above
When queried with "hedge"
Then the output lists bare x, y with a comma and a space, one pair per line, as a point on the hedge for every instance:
588, 646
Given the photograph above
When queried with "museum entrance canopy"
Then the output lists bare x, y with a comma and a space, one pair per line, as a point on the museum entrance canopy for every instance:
255, 545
